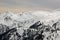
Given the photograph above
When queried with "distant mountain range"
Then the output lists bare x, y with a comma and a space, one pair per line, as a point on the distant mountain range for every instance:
26, 19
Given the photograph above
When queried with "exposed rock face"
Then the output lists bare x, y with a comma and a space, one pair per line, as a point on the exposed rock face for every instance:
3, 28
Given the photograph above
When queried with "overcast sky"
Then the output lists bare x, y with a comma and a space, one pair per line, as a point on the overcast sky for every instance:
50, 4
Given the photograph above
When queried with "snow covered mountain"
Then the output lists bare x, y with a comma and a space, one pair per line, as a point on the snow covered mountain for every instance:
26, 19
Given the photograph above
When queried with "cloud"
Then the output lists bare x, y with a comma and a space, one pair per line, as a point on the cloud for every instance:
51, 4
